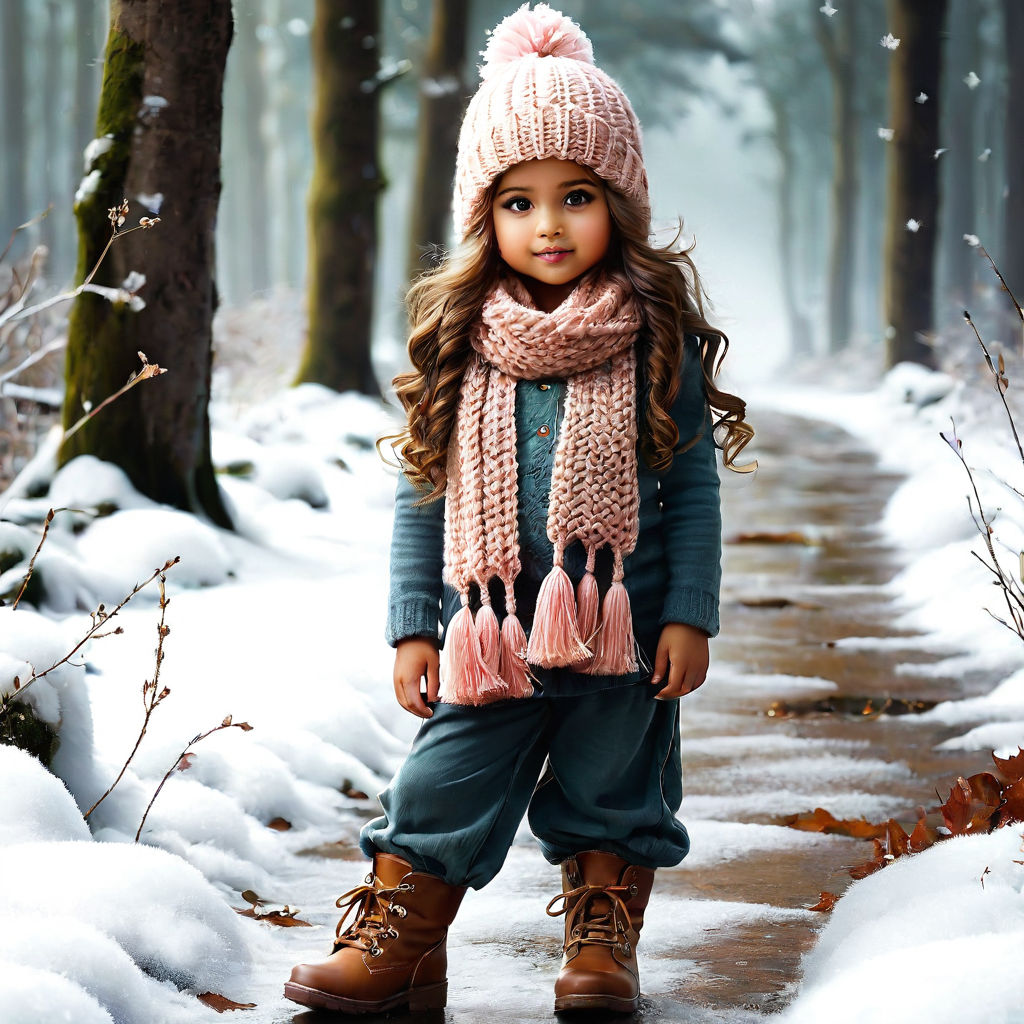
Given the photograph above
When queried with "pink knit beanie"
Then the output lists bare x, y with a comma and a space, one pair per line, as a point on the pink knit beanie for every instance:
542, 96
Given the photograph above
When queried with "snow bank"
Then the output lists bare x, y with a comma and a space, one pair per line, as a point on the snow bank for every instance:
936, 936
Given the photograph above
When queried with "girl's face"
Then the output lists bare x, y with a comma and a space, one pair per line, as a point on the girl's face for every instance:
552, 224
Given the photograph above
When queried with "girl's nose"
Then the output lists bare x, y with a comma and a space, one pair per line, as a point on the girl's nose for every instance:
549, 223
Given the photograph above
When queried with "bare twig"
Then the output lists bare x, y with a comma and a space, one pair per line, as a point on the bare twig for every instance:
148, 371
152, 694
100, 617
183, 763
21, 227
1000, 378
1002, 281
35, 554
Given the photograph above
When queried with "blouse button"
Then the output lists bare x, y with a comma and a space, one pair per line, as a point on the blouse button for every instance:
543, 431
543, 387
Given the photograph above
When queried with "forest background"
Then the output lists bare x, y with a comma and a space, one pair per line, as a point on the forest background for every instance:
837, 168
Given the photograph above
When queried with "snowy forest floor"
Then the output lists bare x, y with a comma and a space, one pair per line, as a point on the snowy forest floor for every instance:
726, 929
875, 595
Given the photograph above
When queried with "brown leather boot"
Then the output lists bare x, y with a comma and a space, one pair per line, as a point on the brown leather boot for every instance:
603, 899
393, 953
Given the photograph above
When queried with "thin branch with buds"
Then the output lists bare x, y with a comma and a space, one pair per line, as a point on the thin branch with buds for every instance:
153, 695
184, 762
99, 618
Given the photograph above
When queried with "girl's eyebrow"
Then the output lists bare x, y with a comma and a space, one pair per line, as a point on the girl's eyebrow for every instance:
564, 184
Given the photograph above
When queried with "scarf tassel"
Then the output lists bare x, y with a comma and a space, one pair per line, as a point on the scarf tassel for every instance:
555, 639
616, 648
467, 678
513, 668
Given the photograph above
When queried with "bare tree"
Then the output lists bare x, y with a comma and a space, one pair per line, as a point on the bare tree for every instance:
15, 140
160, 119
343, 196
1013, 257
442, 99
912, 201
837, 38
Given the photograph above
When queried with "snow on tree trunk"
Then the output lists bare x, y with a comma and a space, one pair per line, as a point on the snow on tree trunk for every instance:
343, 196
442, 101
160, 109
912, 202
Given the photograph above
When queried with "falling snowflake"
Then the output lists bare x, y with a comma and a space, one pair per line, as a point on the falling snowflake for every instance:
972, 240
985, 154
889, 41
885, 133
921, 97
971, 80
939, 153
827, 9
913, 225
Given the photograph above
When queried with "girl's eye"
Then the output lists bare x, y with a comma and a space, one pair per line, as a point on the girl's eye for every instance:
517, 204
578, 197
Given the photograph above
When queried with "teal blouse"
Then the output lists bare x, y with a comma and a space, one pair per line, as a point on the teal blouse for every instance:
672, 575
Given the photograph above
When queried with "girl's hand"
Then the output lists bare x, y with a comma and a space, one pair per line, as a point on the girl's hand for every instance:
415, 657
683, 656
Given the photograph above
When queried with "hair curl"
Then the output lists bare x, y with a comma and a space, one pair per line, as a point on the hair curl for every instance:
444, 303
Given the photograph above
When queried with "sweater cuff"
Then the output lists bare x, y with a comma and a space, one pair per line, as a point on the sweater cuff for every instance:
692, 607
412, 618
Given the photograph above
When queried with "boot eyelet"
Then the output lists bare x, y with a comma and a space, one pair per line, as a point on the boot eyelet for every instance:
368, 880
399, 910
393, 932
375, 951
627, 949
633, 890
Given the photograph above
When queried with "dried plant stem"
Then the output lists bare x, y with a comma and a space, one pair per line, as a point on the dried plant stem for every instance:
100, 618
1000, 379
18, 311
35, 555
21, 227
152, 694
181, 763
148, 371
1002, 281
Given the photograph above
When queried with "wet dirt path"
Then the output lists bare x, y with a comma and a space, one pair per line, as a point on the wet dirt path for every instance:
726, 929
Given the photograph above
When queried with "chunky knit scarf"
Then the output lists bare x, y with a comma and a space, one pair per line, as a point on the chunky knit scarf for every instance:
594, 496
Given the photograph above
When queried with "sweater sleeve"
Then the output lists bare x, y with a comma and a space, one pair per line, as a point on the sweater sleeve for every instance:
417, 556
691, 511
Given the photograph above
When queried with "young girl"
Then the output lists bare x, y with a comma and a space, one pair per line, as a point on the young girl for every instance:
558, 512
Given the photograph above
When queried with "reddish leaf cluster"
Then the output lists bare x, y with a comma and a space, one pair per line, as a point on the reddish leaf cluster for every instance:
975, 806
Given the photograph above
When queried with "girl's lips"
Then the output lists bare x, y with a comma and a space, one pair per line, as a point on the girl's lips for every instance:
555, 256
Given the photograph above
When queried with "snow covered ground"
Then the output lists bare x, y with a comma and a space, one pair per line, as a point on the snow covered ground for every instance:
905, 934
281, 626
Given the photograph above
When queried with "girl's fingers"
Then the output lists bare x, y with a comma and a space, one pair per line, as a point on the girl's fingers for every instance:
433, 679
660, 665
408, 693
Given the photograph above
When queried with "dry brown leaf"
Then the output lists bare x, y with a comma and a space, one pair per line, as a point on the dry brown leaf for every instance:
283, 917
972, 804
1012, 809
221, 1003
772, 537
821, 820
279, 824
1010, 768
826, 903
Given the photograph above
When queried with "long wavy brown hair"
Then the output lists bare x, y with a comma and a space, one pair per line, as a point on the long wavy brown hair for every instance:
444, 303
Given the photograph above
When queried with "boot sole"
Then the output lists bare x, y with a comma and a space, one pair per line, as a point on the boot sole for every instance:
617, 1004
429, 997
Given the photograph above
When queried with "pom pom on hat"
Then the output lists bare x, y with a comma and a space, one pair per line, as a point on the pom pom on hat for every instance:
542, 31
541, 96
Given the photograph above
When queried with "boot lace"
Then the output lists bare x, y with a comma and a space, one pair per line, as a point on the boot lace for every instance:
373, 906
600, 916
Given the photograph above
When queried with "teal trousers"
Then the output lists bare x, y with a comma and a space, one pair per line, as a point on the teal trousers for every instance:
594, 772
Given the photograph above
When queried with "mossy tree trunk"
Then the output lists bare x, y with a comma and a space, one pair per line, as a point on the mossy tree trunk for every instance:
837, 38
442, 101
343, 196
160, 107
913, 178
1013, 256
